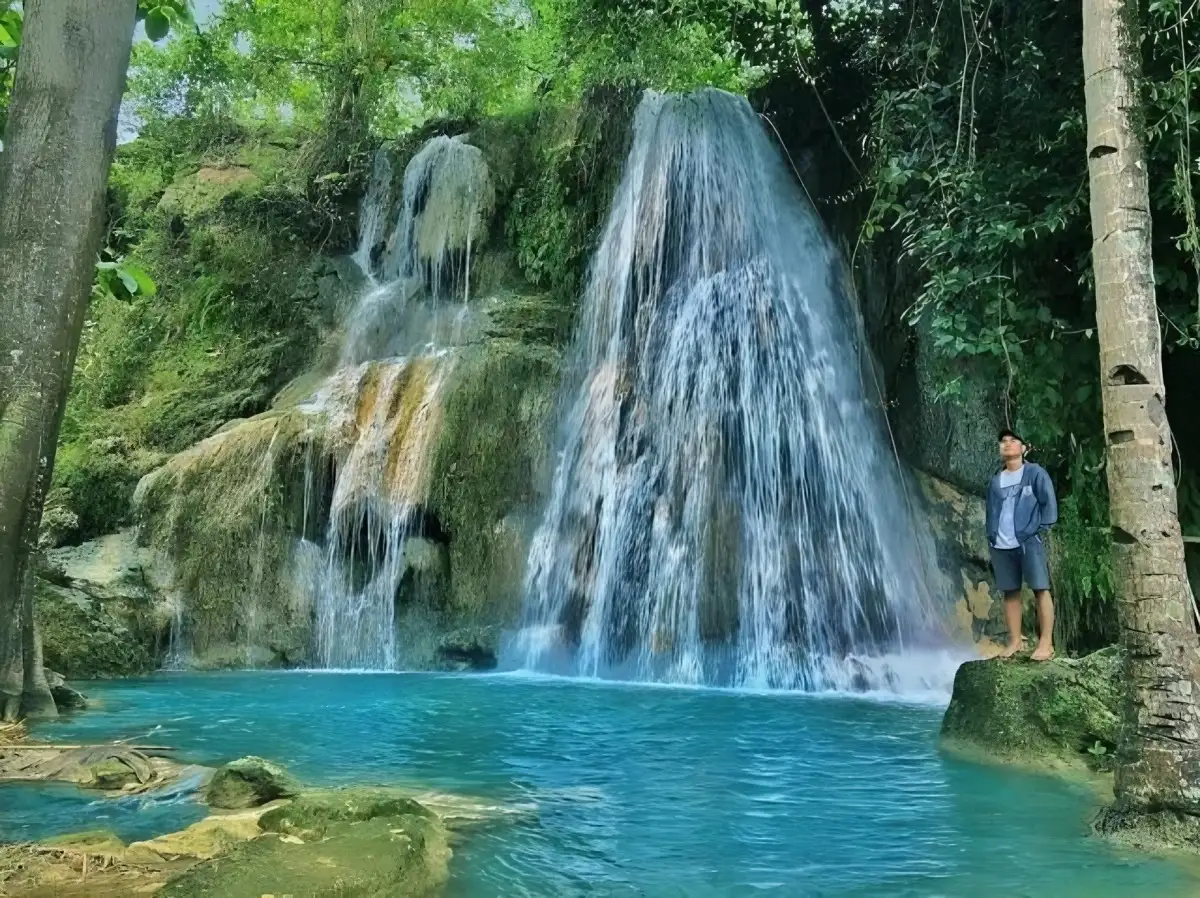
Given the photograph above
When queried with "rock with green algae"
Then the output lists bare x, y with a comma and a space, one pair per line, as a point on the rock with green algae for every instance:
96, 608
1056, 714
249, 782
385, 857
346, 842
310, 816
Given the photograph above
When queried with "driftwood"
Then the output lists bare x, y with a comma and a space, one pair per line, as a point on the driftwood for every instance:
101, 766
46, 746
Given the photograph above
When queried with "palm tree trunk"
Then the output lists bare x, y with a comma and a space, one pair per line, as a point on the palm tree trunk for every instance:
1159, 764
58, 144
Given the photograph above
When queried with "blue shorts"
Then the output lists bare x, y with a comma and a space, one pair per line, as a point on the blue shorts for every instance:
1027, 563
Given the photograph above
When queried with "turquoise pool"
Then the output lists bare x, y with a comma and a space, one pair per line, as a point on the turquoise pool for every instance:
639, 791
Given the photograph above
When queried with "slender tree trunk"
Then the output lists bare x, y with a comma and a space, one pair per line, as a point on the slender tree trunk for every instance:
1159, 766
57, 148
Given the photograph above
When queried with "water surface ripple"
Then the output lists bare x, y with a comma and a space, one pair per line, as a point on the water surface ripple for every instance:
639, 791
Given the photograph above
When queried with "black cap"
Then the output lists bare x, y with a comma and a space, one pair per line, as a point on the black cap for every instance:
1010, 433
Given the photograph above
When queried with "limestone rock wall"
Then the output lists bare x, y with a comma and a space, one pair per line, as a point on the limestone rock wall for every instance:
231, 523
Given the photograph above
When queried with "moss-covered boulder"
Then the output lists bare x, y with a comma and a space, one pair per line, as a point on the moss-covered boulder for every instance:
349, 842
310, 815
384, 857
96, 612
249, 782
1056, 714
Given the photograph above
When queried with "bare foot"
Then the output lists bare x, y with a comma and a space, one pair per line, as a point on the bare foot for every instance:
1011, 649
1043, 653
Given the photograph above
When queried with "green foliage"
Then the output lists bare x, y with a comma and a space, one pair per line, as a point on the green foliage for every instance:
343, 70
10, 44
554, 217
979, 183
223, 244
1084, 587
160, 16
122, 280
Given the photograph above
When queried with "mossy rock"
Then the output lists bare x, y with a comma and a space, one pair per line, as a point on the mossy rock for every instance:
205, 189
489, 467
92, 841
82, 640
249, 782
385, 857
94, 486
1063, 713
311, 815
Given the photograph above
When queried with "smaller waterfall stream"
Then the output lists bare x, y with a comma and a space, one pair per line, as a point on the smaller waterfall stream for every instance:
725, 508
384, 402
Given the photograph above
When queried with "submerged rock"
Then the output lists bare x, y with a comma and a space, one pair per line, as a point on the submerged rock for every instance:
249, 782
389, 842
1056, 714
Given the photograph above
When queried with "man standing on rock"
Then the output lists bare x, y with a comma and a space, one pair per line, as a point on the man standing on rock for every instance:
1020, 510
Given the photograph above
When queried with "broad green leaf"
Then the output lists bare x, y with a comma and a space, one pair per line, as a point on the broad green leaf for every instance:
145, 283
157, 24
128, 280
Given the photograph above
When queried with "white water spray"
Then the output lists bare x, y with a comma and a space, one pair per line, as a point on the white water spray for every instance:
384, 403
724, 509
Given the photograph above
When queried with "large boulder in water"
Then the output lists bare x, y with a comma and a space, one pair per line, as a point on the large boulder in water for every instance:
343, 842
249, 782
311, 815
1055, 714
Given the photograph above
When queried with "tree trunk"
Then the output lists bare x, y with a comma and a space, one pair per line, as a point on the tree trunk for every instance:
57, 148
1159, 764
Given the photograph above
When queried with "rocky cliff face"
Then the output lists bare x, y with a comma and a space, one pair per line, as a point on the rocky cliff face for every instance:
246, 460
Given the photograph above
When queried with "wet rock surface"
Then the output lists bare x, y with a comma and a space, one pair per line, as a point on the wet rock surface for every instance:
1054, 715
355, 841
249, 782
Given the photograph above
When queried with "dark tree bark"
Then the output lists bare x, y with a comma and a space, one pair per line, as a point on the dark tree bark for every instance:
1159, 764
58, 144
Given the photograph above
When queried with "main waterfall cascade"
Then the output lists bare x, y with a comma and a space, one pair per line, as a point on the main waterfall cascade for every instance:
725, 508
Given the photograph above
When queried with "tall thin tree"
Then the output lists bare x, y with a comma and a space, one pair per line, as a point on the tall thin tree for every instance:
1159, 762
58, 144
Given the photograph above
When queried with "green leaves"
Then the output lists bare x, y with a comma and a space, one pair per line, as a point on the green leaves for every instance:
157, 24
122, 280
160, 16
10, 33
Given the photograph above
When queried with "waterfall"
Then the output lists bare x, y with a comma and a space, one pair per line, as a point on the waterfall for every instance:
446, 200
388, 414
725, 508
383, 405
373, 210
